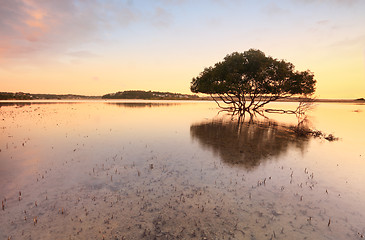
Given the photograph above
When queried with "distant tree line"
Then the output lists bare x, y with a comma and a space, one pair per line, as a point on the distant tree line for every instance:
148, 95
29, 96
132, 94
15, 96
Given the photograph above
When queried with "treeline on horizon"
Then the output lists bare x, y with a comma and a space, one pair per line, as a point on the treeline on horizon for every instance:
132, 94
149, 95
29, 96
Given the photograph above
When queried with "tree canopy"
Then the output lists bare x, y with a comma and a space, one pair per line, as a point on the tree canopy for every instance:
249, 80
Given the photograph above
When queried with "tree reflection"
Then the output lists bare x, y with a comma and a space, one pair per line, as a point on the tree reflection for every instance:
246, 143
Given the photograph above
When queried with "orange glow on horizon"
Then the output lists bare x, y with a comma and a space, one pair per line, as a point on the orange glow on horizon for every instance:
52, 48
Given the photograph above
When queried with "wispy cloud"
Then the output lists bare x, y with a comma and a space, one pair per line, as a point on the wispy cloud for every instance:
31, 26
274, 9
323, 22
351, 41
82, 54
161, 18
342, 2
173, 1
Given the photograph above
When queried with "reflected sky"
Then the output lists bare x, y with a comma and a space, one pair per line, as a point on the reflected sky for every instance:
150, 169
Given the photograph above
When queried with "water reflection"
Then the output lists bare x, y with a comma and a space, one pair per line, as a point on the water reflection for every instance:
142, 104
137, 104
15, 104
246, 144
29, 103
99, 171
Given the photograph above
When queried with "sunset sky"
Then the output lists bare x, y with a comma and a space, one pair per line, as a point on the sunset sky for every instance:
96, 47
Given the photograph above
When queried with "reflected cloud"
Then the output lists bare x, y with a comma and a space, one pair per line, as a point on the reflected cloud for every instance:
246, 144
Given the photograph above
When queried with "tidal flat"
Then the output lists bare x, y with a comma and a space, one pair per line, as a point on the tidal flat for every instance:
178, 170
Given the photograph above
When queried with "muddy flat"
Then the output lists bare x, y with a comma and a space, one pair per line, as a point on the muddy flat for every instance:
178, 170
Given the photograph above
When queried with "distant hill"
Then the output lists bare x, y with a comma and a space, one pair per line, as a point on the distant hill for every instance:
29, 96
149, 95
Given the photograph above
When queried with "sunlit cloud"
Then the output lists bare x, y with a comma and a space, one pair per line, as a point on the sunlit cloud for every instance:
82, 54
30, 26
323, 22
141, 44
351, 41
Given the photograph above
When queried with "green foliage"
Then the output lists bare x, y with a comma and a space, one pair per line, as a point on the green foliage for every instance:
129, 95
148, 95
253, 77
13, 96
29, 96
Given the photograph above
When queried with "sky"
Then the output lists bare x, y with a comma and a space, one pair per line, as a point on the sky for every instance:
94, 47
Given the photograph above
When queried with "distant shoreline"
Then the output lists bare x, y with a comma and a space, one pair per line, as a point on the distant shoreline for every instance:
138, 95
198, 100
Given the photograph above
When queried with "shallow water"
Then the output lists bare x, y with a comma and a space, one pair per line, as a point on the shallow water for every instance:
177, 170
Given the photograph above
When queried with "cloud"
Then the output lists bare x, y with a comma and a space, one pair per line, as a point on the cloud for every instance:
126, 16
161, 18
34, 26
323, 22
273, 9
341, 2
82, 54
351, 41
173, 1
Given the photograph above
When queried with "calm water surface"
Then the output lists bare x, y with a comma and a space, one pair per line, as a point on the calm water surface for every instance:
177, 170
